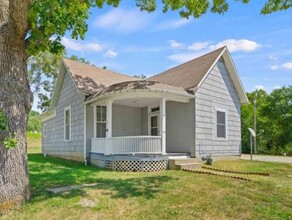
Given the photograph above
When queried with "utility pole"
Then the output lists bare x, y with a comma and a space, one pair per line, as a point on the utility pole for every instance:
255, 123
252, 135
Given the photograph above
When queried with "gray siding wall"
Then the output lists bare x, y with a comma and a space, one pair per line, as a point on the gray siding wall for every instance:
89, 127
217, 91
54, 143
144, 121
126, 121
180, 119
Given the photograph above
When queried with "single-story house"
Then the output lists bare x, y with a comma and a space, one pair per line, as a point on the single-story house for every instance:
115, 120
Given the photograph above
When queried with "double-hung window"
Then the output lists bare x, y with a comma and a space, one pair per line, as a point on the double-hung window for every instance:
221, 126
67, 124
100, 122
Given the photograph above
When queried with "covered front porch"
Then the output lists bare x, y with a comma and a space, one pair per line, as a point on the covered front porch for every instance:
134, 122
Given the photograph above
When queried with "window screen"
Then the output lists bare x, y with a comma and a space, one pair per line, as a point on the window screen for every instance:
67, 124
100, 121
221, 124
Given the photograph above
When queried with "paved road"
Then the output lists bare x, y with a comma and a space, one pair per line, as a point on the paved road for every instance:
268, 158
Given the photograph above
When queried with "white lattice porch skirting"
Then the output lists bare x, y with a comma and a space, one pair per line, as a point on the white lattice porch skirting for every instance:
130, 163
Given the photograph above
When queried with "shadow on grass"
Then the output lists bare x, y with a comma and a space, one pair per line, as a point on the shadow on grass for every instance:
49, 172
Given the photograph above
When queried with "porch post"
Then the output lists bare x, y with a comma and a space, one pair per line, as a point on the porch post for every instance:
108, 127
163, 124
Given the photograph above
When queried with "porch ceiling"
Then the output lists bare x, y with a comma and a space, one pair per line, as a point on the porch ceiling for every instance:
138, 102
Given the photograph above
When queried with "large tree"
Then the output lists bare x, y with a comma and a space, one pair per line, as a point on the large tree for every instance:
30, 26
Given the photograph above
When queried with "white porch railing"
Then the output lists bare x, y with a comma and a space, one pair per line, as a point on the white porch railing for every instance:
127, 145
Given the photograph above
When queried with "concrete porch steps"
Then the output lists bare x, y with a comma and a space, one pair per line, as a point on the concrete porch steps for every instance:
187, 163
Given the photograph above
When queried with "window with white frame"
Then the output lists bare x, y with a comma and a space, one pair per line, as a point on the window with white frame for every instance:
45, 130
67, 124
100, 122
221, 126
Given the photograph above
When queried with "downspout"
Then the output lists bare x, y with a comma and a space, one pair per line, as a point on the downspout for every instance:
195, 128
84, 135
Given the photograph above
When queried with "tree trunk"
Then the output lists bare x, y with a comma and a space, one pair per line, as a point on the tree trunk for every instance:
15, 103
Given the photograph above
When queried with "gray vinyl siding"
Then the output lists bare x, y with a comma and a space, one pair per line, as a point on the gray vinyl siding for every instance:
144, 121
89, 127
180, 127
217, 91
126, 121
54, 142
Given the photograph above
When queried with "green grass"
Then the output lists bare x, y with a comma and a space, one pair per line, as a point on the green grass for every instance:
34, 142
158, 195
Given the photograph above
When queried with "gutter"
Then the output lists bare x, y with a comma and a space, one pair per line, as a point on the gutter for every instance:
184, 94
84, 135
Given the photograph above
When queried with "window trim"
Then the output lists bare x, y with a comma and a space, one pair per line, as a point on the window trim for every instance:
45, 131
95, 119
215, 125
156, 113
70, 125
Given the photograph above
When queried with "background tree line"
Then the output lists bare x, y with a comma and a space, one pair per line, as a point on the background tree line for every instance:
274, 121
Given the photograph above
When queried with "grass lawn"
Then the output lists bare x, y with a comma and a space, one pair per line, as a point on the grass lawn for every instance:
34, 142
158, 195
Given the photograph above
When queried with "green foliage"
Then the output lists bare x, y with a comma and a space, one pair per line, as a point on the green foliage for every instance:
79, 59
276, 5
33, 124
10, 142
141, 76
3, 122
274, 121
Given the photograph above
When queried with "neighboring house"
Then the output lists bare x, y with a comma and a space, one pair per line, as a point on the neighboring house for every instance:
115, 120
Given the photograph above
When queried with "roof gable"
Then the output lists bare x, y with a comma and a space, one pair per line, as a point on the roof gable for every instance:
192, 74
90, 79
189, 74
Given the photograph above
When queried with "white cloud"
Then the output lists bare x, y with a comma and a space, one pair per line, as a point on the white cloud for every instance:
176, 45
237, 45
198, 46
260, 87
124, 21
81, 46
285, 66
172, 24
184, 57
111, 54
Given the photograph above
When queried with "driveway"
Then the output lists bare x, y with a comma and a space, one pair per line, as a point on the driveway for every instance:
268, 158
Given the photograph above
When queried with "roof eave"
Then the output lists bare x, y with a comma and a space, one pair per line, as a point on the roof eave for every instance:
102, 96
233, 75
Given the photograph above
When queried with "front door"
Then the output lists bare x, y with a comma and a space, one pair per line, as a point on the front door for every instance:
154, 125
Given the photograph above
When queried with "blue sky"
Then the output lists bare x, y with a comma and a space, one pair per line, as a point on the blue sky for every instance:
133, 42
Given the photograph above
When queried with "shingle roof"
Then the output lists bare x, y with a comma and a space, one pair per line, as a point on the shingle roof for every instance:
138, 85
190, 74
90, 79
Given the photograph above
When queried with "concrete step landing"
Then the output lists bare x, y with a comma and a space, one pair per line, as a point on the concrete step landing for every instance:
189, 163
